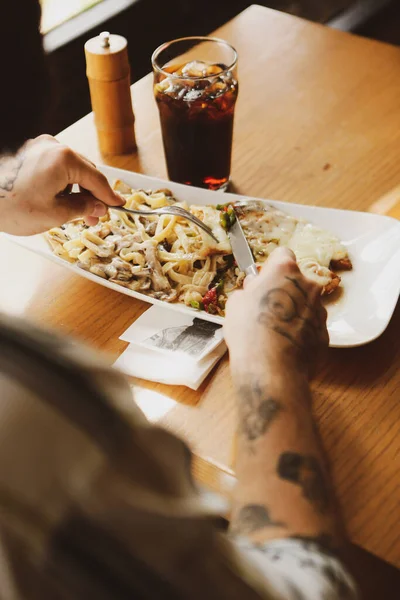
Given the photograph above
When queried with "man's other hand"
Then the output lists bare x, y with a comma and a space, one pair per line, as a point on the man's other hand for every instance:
35, 188
277, 319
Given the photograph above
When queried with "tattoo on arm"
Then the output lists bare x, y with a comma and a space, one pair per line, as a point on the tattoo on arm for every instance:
298, 287
253, 517
10, 167
257, 411
281, 304
280, 312
306, 472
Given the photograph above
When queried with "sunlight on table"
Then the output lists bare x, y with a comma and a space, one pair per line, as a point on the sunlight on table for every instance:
16, 291
56, 12
153, 404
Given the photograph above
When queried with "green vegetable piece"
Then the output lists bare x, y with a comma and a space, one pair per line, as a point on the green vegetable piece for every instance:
224, 219
220, 286
196, 305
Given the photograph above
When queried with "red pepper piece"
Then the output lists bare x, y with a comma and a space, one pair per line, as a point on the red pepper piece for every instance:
210, 298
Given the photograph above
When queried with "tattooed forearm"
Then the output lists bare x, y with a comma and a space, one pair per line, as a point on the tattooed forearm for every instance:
10, 167
306, 472
253, 517
257, 410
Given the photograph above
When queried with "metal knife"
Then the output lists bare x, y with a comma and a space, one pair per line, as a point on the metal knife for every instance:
241, 249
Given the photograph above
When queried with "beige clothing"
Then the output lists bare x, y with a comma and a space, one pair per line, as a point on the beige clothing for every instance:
96, 502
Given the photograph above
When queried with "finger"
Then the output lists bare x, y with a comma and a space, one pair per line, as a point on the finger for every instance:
248, 280
281, 255
233, 298
122, 199
71, 206
280, 258
87, 176
322, 317
86, 159
91, 221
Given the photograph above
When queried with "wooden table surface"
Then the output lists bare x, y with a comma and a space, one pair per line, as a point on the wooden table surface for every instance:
318, 122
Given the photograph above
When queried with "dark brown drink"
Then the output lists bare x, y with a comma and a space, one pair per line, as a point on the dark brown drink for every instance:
196, 101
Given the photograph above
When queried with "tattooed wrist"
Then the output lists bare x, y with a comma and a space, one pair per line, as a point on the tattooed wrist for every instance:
307, 473
253, 517
10, 167
257, 410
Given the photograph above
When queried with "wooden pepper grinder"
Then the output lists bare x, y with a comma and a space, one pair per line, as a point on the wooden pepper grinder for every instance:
108, 72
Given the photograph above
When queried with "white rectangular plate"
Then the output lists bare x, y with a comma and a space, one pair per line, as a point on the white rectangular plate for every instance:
369, 292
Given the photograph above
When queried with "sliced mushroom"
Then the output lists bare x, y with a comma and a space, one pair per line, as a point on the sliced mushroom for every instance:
165, 295
98, 269
159, 281
145, 284
150, 229
111, 271
131, 241
119, 269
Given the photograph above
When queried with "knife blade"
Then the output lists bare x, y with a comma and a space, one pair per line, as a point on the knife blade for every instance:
241, 249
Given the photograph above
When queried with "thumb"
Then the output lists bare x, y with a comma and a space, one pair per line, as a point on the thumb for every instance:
72, 206
248, 280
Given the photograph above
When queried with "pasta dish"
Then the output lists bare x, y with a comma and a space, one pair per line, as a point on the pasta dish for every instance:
171, 259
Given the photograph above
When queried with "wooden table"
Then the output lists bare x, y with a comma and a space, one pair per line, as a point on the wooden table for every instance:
318, 122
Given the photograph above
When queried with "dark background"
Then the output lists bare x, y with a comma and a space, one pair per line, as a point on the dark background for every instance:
148, 23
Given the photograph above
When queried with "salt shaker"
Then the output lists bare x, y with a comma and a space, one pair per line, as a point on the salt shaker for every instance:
108, 72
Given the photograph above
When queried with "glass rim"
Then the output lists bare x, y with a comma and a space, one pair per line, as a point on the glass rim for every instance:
200, 38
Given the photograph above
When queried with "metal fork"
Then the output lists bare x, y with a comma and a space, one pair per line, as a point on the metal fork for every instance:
178, 211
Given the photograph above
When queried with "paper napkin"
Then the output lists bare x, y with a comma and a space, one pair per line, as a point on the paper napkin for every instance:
171, 347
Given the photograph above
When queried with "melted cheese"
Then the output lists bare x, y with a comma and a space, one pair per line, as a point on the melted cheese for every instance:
266, 228
310, 242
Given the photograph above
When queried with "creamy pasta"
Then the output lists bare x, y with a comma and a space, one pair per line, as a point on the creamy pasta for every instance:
171, 259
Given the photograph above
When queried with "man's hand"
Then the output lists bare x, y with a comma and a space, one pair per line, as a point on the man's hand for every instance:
35, 188
278, 316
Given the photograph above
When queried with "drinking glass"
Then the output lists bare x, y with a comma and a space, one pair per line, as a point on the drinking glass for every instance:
196, 90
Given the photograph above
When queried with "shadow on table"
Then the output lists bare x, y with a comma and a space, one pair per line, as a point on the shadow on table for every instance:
376, 578
367, 363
